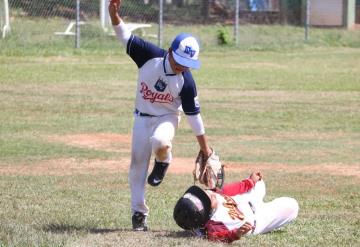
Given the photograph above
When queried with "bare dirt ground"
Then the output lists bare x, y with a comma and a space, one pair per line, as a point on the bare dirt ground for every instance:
112, 142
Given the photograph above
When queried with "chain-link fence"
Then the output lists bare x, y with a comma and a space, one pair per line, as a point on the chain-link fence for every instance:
227, 21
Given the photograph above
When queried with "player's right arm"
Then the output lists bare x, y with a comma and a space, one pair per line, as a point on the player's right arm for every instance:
121, 31
138, 49
218, 232
114, 7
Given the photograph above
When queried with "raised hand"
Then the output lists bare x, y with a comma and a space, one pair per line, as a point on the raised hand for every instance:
256, 176
114, 7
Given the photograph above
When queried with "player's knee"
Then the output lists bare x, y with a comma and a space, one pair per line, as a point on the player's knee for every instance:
160, 143
293, 208
161, 148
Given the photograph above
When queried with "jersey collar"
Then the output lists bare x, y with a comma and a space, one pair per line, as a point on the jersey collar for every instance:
167, 68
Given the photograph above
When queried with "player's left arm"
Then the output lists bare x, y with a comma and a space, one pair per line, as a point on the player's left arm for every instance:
242, 186
238, 187
197, 125
204, 146
191, 108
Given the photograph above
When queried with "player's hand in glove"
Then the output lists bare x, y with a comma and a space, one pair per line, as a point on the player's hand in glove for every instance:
209, 170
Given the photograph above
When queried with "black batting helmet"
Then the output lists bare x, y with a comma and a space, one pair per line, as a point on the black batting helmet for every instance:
192, 210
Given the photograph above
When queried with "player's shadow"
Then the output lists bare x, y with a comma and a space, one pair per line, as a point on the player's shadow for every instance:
174, 234
68, 228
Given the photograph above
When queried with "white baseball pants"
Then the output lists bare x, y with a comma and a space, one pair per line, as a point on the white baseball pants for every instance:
149, 134
271, 215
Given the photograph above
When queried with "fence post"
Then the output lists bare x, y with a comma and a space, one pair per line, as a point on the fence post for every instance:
307, 19
6, 27
236, 26
77, 34
160, 30
104, 16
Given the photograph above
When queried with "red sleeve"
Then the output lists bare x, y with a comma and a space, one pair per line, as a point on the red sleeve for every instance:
238, 188
218, 232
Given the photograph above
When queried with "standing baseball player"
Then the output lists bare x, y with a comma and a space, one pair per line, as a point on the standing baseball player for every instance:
165, 88
236, 210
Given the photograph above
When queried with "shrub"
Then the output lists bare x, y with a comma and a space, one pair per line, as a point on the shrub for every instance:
223, 36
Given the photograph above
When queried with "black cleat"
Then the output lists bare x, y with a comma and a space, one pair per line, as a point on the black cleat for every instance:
158, 173
139, 222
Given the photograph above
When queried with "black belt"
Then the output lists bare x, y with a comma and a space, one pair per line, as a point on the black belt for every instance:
141, 114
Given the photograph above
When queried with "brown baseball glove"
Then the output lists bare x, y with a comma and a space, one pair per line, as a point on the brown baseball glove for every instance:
209, 170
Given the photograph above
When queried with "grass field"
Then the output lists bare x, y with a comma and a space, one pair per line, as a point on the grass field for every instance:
66, 121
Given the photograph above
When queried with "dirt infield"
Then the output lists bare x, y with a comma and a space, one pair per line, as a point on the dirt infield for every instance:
66, 167
111, 142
